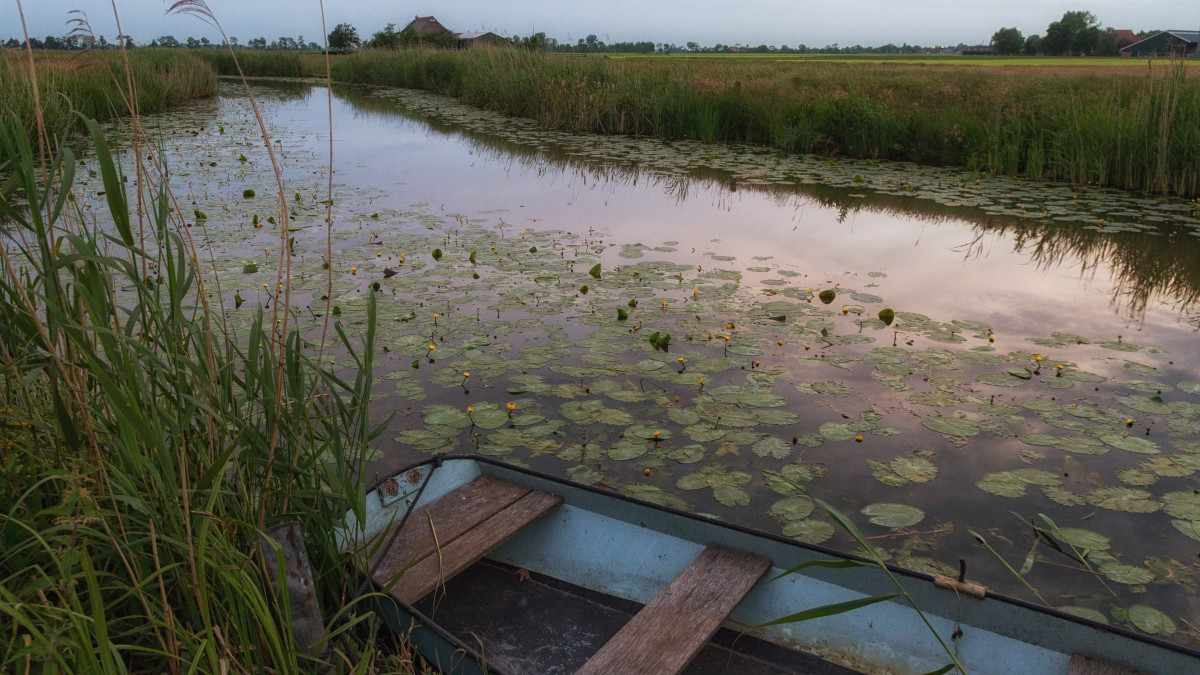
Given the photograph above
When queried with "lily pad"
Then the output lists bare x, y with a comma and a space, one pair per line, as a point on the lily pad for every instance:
1151, 620
893, 515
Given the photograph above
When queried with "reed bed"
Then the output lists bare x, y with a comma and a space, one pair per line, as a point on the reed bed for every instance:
144, 446
91, 83
260, 63
1130, 128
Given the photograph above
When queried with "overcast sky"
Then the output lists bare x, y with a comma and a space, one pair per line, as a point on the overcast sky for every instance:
749, 22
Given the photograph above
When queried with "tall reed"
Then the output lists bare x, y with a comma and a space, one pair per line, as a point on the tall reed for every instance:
144, 446
90, 83
256, 63
1131, 130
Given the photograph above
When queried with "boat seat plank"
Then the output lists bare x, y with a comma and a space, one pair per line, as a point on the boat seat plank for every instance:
431, 571
443, 521
669, 631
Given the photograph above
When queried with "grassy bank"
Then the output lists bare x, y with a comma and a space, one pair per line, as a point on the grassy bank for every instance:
258, 63
144, 446
94, 83
1129, 128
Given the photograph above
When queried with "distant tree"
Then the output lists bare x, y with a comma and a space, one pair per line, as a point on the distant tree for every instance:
204, 42
344, 36
1033, 45
534, 41
693, 47
1076, 32
443, 39
1008, 41
192, 43
1107, 44
388, 38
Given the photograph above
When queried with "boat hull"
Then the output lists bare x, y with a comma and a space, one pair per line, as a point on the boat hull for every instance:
629, 549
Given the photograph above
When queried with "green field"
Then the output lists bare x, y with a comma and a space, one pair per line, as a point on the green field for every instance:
1089, 63
1105, 124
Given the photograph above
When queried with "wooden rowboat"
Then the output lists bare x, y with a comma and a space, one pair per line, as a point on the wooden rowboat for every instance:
493, 568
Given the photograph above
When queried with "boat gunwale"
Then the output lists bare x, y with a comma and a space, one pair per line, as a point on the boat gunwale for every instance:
1052, 612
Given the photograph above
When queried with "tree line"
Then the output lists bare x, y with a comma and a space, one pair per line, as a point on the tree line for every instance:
1077, 33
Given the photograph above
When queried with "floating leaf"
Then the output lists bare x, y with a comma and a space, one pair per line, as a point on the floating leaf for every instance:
1143, 446
792, 508
437, 254
827, 296
809, 531
887, 316
1129, 500
595, 271
1151, 620
1002, 483
893, 515
1127, 574
1142, 369
953, 426
772, 446
1185, 505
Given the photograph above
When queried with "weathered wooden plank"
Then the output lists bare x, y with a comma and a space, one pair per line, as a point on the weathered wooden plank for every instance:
669, 631
1086, 665
452, 558
445, 520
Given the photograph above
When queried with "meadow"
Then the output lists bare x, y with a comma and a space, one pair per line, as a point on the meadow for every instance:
1123, 126
94, 84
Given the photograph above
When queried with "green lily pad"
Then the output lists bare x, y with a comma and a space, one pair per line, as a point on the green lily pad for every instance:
809, 531
836, 432
1127, 574
772, 446
1142, 446
1129, 500
893, 515
1085, 613
1142, 369
1151, 620
1084, 540
792, 508
1185, 505
1003, 484
953, 426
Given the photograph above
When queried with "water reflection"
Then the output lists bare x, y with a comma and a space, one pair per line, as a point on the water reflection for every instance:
1159, 266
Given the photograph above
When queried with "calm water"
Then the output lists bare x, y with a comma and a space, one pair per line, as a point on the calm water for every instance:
721, 250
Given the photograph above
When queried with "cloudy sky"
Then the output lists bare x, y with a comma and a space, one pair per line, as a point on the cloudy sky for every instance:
749, 22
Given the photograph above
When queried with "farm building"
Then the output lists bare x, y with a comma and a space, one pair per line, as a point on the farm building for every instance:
425, 25
1166, 43
468, 40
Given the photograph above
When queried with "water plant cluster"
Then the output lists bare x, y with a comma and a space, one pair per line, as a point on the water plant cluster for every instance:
1129, 130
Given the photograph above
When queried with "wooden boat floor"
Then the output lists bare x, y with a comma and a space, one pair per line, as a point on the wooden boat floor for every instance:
527, 623
449, 535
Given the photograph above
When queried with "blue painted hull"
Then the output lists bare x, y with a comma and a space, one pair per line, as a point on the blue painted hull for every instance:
629, 549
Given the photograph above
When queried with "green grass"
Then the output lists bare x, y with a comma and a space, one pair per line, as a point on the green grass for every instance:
1125, 127
258, 63
144, 446
95, 84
